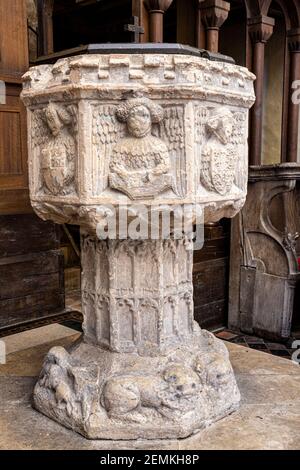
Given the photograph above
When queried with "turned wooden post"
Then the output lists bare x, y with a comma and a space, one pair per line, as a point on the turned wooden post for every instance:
293, 111
157, 9
260, 29
45, 26
213, 15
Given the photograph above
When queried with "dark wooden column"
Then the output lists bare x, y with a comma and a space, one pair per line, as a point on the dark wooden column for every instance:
260, 29
45, 26
213, 15
293, 112
157, 9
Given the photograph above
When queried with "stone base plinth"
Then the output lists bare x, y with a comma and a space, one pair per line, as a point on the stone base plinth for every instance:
268, 417
107, 395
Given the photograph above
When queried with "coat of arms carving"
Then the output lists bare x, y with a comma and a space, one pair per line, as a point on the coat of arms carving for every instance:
58, 150
219, 156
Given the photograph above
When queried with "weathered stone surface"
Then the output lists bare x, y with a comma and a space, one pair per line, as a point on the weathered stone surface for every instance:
107, 131
155, 366
99, 133
273, 423
127, 396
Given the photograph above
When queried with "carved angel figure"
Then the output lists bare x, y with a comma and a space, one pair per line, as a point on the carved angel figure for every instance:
140, 164
219, 156
58, 154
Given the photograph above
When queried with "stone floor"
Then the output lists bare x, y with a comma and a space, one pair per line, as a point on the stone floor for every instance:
269, 416
277, 349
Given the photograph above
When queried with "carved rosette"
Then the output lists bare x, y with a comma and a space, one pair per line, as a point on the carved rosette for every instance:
106, 131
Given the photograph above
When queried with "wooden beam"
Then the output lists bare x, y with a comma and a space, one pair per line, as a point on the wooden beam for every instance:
213, 14
45, 27
260, 29
157, 9
293, 108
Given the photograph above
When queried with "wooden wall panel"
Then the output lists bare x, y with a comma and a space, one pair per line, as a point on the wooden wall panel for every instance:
36, 287
10, 142
13, 134
210, 277
21, 234
31, 270
13, 37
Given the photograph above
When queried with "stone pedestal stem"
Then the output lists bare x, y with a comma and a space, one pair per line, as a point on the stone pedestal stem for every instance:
137, 296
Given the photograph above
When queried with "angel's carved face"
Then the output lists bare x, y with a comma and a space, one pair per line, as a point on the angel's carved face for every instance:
139, 121
222, 127
53, 122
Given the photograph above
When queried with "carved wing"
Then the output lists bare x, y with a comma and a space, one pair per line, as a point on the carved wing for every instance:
203, 168
40, 133
238, 131
40, 136
107, 131
172, 133
238, 139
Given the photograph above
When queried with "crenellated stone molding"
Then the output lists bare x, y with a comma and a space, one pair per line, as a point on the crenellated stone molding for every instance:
177, 76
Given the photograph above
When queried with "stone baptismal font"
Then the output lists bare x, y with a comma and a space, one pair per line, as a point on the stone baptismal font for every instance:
113, 130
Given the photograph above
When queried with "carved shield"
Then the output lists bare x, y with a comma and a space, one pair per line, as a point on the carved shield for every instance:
218, 169
56, 173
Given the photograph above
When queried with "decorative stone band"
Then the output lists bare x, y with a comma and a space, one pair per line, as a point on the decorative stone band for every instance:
177, 76
119, 128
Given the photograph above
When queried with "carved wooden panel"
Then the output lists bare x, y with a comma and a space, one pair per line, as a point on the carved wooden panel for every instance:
264, 272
